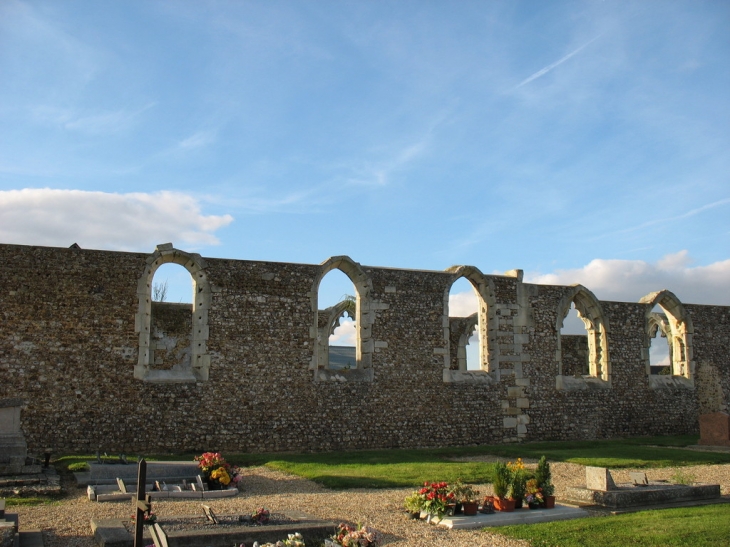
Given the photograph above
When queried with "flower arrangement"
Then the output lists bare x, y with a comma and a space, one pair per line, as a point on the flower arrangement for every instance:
464, 493
349, 536
216, 470
148, 518
294, 540
261, 516
435, 497
535, 494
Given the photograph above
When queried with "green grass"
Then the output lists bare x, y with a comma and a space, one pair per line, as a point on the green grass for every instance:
404, 468
706, 526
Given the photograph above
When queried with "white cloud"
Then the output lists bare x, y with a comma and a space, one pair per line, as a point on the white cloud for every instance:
463, 304
344, 334
101, 220
629, 280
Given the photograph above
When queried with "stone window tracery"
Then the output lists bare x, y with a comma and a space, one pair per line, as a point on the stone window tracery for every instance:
676, 325
598, 366
326, 320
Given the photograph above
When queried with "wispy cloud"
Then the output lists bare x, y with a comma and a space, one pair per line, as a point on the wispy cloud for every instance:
557, 63
198, 140
664, 220
90, 122
134, 221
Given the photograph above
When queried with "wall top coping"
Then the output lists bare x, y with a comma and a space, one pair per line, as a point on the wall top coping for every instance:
5, 403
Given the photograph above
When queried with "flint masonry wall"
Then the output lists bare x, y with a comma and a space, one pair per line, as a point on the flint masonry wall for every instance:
69, 346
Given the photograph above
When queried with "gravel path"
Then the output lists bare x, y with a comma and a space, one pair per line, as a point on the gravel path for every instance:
66, 523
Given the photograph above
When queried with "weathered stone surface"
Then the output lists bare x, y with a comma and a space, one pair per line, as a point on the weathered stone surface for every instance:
599, 478
73, 346
715, 429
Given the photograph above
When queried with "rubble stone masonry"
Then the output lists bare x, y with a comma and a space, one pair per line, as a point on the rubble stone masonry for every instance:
94, 370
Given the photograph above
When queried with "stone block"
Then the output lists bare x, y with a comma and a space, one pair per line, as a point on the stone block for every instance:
515, 392
599, 478
510, 422
523, 402
715, 429
521, 429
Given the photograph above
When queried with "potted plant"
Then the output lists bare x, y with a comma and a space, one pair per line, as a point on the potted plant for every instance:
519, 478
470, 500
544, 482
502, 485
534, 496
414, 505
436, 497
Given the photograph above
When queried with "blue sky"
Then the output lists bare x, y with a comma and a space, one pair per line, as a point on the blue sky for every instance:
581, 141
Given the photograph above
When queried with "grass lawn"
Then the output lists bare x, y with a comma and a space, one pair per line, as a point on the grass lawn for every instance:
706, 526
404, 468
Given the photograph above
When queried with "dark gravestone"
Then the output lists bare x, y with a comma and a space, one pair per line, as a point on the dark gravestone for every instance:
715, 429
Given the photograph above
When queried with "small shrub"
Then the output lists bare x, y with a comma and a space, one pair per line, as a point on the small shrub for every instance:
680, 476
78, 467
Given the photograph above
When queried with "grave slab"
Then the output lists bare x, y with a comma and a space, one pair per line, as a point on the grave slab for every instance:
518, 516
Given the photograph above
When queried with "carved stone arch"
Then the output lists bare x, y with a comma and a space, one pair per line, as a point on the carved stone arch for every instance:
486, 316
364, 316
471, 323
591, 313
199, 366
679, 332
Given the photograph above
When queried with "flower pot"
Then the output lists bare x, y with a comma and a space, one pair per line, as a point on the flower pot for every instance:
503, 504
470, 508
549, 502
534, 505
518, 503
458, 509
214, 485
450, 509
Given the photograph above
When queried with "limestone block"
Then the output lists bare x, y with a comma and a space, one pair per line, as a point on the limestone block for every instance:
523, 419
522, 382
510, 422
523, 402
599, 478
517, 391
521, 429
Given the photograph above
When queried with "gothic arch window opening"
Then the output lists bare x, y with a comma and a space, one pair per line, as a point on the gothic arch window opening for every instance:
466, 348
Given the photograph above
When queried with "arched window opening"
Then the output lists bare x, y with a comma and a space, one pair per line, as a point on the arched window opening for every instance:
343, 348
667, 317
582, 358
173, 334
171, 321
574, 343
338, 320
660, 349
464, 332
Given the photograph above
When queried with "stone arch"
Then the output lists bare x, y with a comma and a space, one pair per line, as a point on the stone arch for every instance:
591, 313
679, 331
364, 317
657, 323
199, 365
485, 316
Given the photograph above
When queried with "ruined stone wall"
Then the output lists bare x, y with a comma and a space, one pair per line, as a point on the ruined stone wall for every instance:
68, 347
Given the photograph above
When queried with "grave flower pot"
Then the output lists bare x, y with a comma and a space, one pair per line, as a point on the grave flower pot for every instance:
470, 508
549, 502
504, 504
214, 485
518, 503
534, 505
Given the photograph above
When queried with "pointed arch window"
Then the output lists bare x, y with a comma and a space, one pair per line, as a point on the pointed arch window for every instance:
596, 372
665, 313
326, 320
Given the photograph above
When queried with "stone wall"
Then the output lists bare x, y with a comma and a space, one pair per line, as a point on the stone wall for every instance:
73, 322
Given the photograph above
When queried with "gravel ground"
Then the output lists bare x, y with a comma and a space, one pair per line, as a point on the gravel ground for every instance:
66, 523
